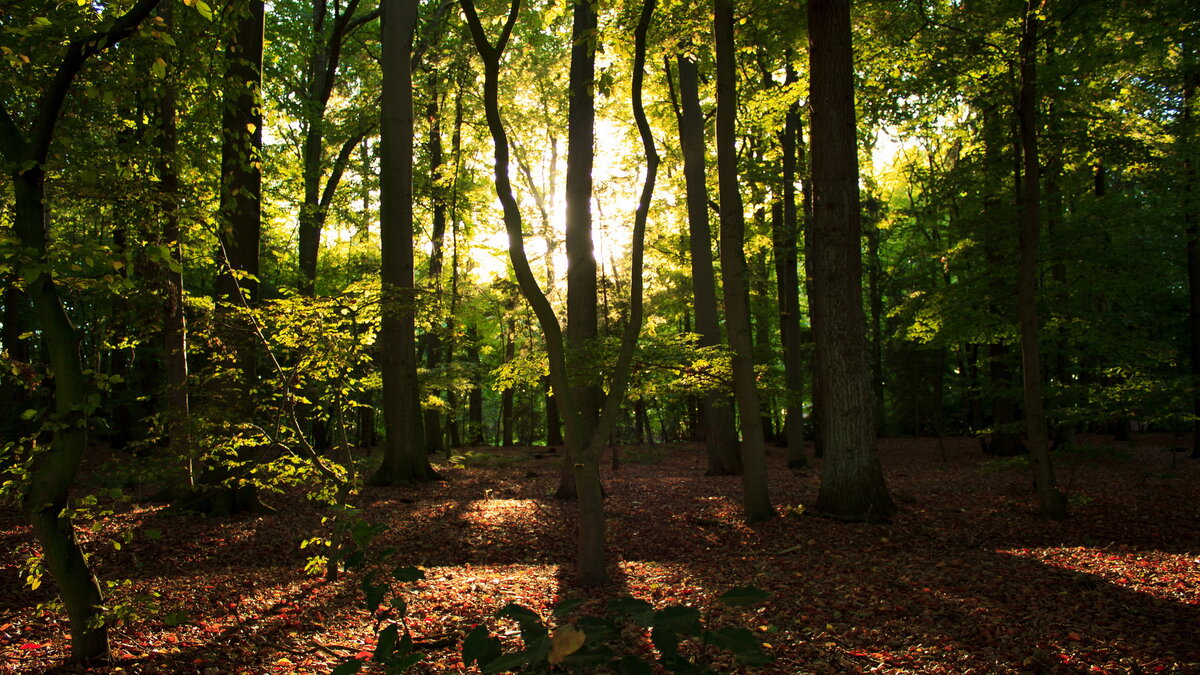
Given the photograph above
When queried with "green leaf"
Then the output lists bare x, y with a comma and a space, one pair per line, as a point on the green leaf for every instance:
506, 662
176, 618
403, 663
479, 647
347, 667
744, 596
387, 642
678, 618
519, 613
399, 605
206, 12
742, 643
640, 611
407, 574
665, 641
567, 606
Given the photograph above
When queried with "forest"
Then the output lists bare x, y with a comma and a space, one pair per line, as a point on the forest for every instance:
627, 336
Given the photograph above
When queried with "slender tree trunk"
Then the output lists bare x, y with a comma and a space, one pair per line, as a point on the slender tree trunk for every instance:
852, 484
176, 408
760, 309
433, 340
1053, 503
716, 414
756, 501
13, 394
787, 279
1191, 227
506, 396
554, 435
475, 394
404, 458
585, 450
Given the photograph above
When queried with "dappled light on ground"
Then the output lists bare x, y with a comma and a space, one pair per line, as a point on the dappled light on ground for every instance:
965, 579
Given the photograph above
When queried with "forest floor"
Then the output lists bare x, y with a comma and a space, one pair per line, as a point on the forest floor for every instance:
965, 579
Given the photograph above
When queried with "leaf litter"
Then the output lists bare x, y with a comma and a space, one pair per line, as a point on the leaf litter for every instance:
965, 579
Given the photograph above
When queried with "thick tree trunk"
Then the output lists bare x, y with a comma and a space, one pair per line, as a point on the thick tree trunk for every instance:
218, 489
45, 500
756, 501
1053, 503
581, 259
404, 458
852, 484
716, 413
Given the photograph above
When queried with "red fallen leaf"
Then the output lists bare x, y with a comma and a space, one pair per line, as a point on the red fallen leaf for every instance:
1074, 637
363, 656
30, 646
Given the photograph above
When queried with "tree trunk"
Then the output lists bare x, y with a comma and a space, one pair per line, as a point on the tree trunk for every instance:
475, 394
584, 450
852, 484
581, 259
14, 396
1052, 502
1191, 228
404, 458
506, 396
433, 340
756, 501
45, 500
787, 279
554, 435
219, 489
176, 405
716, 413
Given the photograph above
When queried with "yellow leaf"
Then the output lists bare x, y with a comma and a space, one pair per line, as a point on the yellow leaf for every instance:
566, 641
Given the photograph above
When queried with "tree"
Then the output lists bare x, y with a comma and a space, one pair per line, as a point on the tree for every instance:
45, 499
404, 458
1053, 503
581, 259
756, 501
852, 484
584, 448
720, 434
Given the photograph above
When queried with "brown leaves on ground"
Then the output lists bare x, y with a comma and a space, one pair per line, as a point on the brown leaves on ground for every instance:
966, 579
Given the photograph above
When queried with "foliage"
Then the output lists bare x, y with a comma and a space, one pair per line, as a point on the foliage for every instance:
585, 642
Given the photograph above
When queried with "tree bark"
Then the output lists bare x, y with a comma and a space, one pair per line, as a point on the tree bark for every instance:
716, 414
176, 404
433, 339
1191, 228
45, 500
756, 501
1052, 502
787, 279
404, 458
585, 450
581, 259
852, 483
